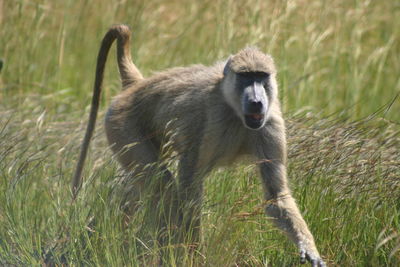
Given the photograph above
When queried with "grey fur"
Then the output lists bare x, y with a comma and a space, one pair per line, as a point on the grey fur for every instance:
251, 59
202, 107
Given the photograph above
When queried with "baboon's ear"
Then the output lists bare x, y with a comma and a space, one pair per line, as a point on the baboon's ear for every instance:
227, 66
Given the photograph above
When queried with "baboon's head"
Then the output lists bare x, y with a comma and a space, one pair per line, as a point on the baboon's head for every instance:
249, 86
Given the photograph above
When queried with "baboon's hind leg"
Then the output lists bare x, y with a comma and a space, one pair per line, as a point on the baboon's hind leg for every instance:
149, 185
146, 176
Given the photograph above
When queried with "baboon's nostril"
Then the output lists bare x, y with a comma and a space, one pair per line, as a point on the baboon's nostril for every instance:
255, 106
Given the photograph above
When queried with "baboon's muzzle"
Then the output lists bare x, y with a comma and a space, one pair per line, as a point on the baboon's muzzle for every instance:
254, 105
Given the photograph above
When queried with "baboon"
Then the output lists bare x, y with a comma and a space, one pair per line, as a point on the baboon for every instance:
217, 114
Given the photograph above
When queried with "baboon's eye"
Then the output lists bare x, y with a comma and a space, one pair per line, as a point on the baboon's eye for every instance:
265, 83
264, 79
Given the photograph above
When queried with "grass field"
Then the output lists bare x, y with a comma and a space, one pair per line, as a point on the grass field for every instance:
339, 66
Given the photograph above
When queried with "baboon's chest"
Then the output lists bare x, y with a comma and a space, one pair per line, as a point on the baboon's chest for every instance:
221, 149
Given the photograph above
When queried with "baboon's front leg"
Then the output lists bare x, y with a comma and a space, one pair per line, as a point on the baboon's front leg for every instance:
282, 209
280, 205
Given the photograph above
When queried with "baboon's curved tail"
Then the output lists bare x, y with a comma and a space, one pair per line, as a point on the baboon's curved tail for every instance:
129, 76
128, 71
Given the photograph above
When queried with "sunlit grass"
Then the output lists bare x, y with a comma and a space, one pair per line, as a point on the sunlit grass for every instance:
338, 63
331, 55
344, 176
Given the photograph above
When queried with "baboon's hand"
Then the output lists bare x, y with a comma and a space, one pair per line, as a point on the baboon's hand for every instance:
314, 259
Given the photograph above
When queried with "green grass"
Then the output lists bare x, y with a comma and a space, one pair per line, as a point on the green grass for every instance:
339, 68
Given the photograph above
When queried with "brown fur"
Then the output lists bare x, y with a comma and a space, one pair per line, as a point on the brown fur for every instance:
202, 109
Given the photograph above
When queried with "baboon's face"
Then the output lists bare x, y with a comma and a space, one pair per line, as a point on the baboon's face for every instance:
252, 89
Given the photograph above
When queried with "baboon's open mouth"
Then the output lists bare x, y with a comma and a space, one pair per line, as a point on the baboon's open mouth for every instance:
254, 120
